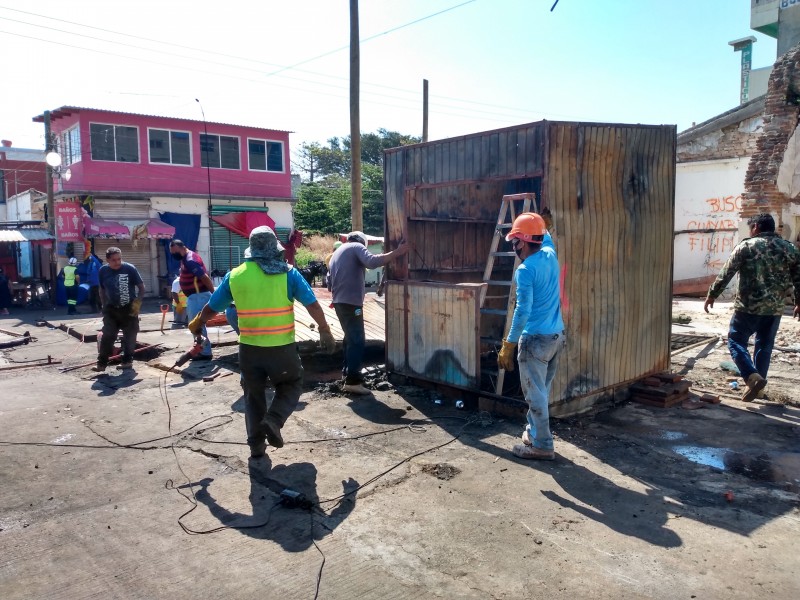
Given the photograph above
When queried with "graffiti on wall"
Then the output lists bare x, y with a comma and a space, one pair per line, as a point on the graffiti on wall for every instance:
712, 235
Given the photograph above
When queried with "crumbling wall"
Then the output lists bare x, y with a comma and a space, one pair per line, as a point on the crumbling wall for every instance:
772, 182
734, 141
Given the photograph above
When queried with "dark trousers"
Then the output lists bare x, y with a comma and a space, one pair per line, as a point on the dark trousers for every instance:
114, 320
72, 298
351, 318
279, 365
94, 298
742, 327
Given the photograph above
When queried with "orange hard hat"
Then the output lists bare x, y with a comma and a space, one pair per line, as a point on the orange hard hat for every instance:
526, 227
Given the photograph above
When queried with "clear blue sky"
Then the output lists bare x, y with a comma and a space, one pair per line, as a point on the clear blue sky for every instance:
284, 65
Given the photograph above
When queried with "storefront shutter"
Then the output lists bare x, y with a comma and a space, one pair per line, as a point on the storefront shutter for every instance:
140, 254
227, 248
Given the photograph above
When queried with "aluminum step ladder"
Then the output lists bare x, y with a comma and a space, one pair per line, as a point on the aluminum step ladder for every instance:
502, 285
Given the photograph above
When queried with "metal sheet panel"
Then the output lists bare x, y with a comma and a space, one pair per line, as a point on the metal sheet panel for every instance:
438, 325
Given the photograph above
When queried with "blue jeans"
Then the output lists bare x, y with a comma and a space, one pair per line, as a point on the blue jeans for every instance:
351, 318
538, 358
194, 304
742, 327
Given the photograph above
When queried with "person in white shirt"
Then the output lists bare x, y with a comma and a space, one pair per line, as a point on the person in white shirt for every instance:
179, 315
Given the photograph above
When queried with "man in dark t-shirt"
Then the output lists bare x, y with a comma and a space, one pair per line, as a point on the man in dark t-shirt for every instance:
195, 284
121, 291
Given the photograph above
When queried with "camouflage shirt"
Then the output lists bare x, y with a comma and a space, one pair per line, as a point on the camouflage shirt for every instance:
768, 267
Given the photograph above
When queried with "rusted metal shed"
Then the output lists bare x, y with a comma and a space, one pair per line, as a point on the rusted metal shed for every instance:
609, 189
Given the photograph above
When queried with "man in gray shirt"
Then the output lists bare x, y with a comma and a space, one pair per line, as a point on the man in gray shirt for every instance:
347, 270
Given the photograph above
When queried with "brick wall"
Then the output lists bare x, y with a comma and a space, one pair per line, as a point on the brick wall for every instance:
734, 141
780, 121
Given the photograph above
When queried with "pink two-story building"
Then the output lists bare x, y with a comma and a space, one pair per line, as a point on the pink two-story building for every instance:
133, 169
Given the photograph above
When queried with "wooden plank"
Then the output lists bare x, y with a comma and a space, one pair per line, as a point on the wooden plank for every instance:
605, 234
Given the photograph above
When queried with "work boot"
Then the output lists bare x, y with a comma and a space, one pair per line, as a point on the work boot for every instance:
355, 388
273, 433
258, 450
99, 368
127, 364
532, 453
526, 437
755, 383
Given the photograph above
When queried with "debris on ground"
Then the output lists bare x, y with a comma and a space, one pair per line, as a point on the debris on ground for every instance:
662, 390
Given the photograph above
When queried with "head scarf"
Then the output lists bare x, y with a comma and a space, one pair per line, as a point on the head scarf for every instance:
357, 236
266, 250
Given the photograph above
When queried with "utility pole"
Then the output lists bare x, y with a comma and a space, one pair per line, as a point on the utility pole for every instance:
424, 110
48, 147
356, 213
51, 208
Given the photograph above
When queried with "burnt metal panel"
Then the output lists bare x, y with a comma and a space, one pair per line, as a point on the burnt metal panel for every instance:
610, 189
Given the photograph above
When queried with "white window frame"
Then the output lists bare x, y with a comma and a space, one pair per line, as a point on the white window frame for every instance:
69, 154
170, 131
219, 136
266, 155
115, 125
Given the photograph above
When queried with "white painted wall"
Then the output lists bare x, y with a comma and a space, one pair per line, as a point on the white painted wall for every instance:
18, 207
708, 195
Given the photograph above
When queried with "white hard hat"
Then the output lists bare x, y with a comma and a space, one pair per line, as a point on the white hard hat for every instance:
73, 261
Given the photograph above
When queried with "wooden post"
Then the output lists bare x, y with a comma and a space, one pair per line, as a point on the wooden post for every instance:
355, 125
51, 208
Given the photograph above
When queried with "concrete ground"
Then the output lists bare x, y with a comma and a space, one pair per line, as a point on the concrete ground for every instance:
103, 496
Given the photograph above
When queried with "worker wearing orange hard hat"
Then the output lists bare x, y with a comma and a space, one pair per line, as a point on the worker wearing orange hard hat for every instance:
537, 330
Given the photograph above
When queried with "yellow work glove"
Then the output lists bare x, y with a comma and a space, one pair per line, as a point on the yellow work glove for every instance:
136, 306
326, 342
505, 359
196, 326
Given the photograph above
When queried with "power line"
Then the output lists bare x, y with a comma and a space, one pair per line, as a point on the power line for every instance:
280, 70
372, 37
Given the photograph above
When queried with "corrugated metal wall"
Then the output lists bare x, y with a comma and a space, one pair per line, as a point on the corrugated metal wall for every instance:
610, 189
441, 317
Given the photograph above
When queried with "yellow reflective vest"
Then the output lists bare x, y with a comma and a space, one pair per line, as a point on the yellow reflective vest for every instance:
180, 305
69, 275
266, 316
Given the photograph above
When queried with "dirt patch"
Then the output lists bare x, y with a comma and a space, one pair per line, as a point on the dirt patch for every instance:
441, 471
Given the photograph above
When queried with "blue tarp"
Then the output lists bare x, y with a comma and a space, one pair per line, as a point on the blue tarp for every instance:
187, 229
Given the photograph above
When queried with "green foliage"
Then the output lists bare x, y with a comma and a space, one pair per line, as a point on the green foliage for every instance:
302, 257
324, 203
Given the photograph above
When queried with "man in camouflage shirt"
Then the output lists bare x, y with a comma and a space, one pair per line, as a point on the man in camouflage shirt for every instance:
768, 266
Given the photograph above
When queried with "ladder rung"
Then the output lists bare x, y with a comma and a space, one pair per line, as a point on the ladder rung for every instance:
504, 253
497, 282
496, 297
494, 311
504, 225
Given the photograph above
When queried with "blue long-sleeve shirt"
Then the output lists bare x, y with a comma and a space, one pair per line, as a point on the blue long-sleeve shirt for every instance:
538, 307
297, 289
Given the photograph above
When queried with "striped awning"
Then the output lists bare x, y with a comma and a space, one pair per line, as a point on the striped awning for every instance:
25, 235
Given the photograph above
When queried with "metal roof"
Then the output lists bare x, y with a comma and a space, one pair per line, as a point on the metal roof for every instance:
25, 235
65, 111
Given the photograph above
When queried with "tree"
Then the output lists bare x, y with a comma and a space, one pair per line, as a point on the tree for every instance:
324, 201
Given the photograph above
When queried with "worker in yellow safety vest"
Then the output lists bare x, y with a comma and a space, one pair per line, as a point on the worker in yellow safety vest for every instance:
264, 288
71, 282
